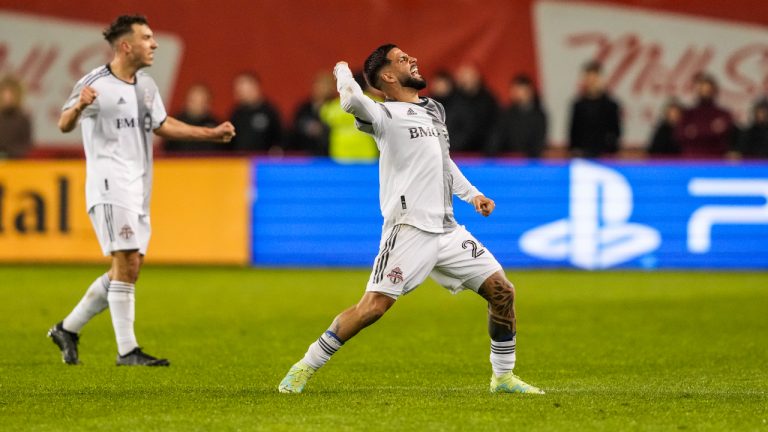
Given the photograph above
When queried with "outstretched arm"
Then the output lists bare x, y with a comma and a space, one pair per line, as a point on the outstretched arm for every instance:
178, 130
468, 193
353, 100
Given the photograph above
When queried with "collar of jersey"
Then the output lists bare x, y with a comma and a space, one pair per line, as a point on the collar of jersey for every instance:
423, 101
135, 79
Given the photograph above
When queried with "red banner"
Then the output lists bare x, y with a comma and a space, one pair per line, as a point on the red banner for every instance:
287, 43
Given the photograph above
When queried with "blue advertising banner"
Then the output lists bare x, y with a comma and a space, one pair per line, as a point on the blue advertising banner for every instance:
582, 214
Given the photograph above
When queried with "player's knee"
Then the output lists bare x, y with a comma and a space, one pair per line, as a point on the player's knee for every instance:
126, 268
498, 290
132, 269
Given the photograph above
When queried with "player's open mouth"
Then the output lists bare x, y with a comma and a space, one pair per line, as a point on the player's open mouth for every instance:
415, 71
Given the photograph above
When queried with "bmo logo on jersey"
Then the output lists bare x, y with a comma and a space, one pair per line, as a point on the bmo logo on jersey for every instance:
419, 132
123, 123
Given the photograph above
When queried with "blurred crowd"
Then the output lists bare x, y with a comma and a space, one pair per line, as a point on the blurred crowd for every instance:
477, 123
15, 123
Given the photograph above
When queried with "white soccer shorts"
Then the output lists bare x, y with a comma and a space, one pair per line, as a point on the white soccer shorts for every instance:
119, 229
407, 255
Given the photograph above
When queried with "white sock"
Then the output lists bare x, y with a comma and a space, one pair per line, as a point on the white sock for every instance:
503, 356
122, 306
93, 302
322, 349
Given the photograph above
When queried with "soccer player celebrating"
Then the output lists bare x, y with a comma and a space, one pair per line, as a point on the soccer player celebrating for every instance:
420, 236
118, 107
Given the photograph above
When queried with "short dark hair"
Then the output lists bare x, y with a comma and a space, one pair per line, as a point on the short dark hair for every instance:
704, 77
359, 78
375, 62
443, 74
523, 80
122, 25
593, 66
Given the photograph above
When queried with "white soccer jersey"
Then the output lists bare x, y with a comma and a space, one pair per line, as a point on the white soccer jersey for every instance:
417, 178
117, 137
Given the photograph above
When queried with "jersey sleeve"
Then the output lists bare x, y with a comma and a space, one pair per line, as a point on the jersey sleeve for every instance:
90, 110
441, 110
159, 113
461, 187
369, 115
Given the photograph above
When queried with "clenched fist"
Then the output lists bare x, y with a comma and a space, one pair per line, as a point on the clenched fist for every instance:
87, 96
224, 132
483, 205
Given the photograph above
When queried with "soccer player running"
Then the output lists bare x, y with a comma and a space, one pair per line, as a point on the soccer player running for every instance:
420, 236
118, 107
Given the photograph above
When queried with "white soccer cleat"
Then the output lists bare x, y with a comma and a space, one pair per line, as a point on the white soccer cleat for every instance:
511, 383
296, 378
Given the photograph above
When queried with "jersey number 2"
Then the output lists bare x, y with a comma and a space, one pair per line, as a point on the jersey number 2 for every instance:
475, 253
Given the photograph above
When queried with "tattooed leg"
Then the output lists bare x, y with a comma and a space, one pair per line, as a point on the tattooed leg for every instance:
502, 326
500, 294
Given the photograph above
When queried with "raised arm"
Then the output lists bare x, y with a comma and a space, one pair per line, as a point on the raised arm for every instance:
353, 100
173, 129
463, 189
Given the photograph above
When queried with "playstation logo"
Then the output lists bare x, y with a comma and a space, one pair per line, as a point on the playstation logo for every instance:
598, 234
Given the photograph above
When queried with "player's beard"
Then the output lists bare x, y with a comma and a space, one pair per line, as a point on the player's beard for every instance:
414, 83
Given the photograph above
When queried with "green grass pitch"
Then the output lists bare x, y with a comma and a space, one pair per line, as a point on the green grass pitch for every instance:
614, 351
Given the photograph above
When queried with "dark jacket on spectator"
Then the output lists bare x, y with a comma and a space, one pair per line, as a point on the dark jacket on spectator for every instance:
309, 133
520, 128
15, 133
195, 146
706, 130
754, 141
664, 142
257, 127
470, 120
595, 125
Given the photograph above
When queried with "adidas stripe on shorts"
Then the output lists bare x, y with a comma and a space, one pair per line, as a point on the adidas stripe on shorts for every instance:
407, 255
119, 229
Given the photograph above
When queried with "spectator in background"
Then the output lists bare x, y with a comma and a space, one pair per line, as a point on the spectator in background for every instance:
706, 130
256, 120
443, 89
595, 127
521, 127
310, 134
197, 112
754, 140
15, 124
346, 143
474, 112
663, 142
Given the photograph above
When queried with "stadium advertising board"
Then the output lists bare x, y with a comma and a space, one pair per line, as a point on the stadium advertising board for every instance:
199, 212
648, 56
581, 214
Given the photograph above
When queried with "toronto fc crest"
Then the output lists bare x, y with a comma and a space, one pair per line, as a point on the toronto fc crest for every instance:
126, 232
395, 275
